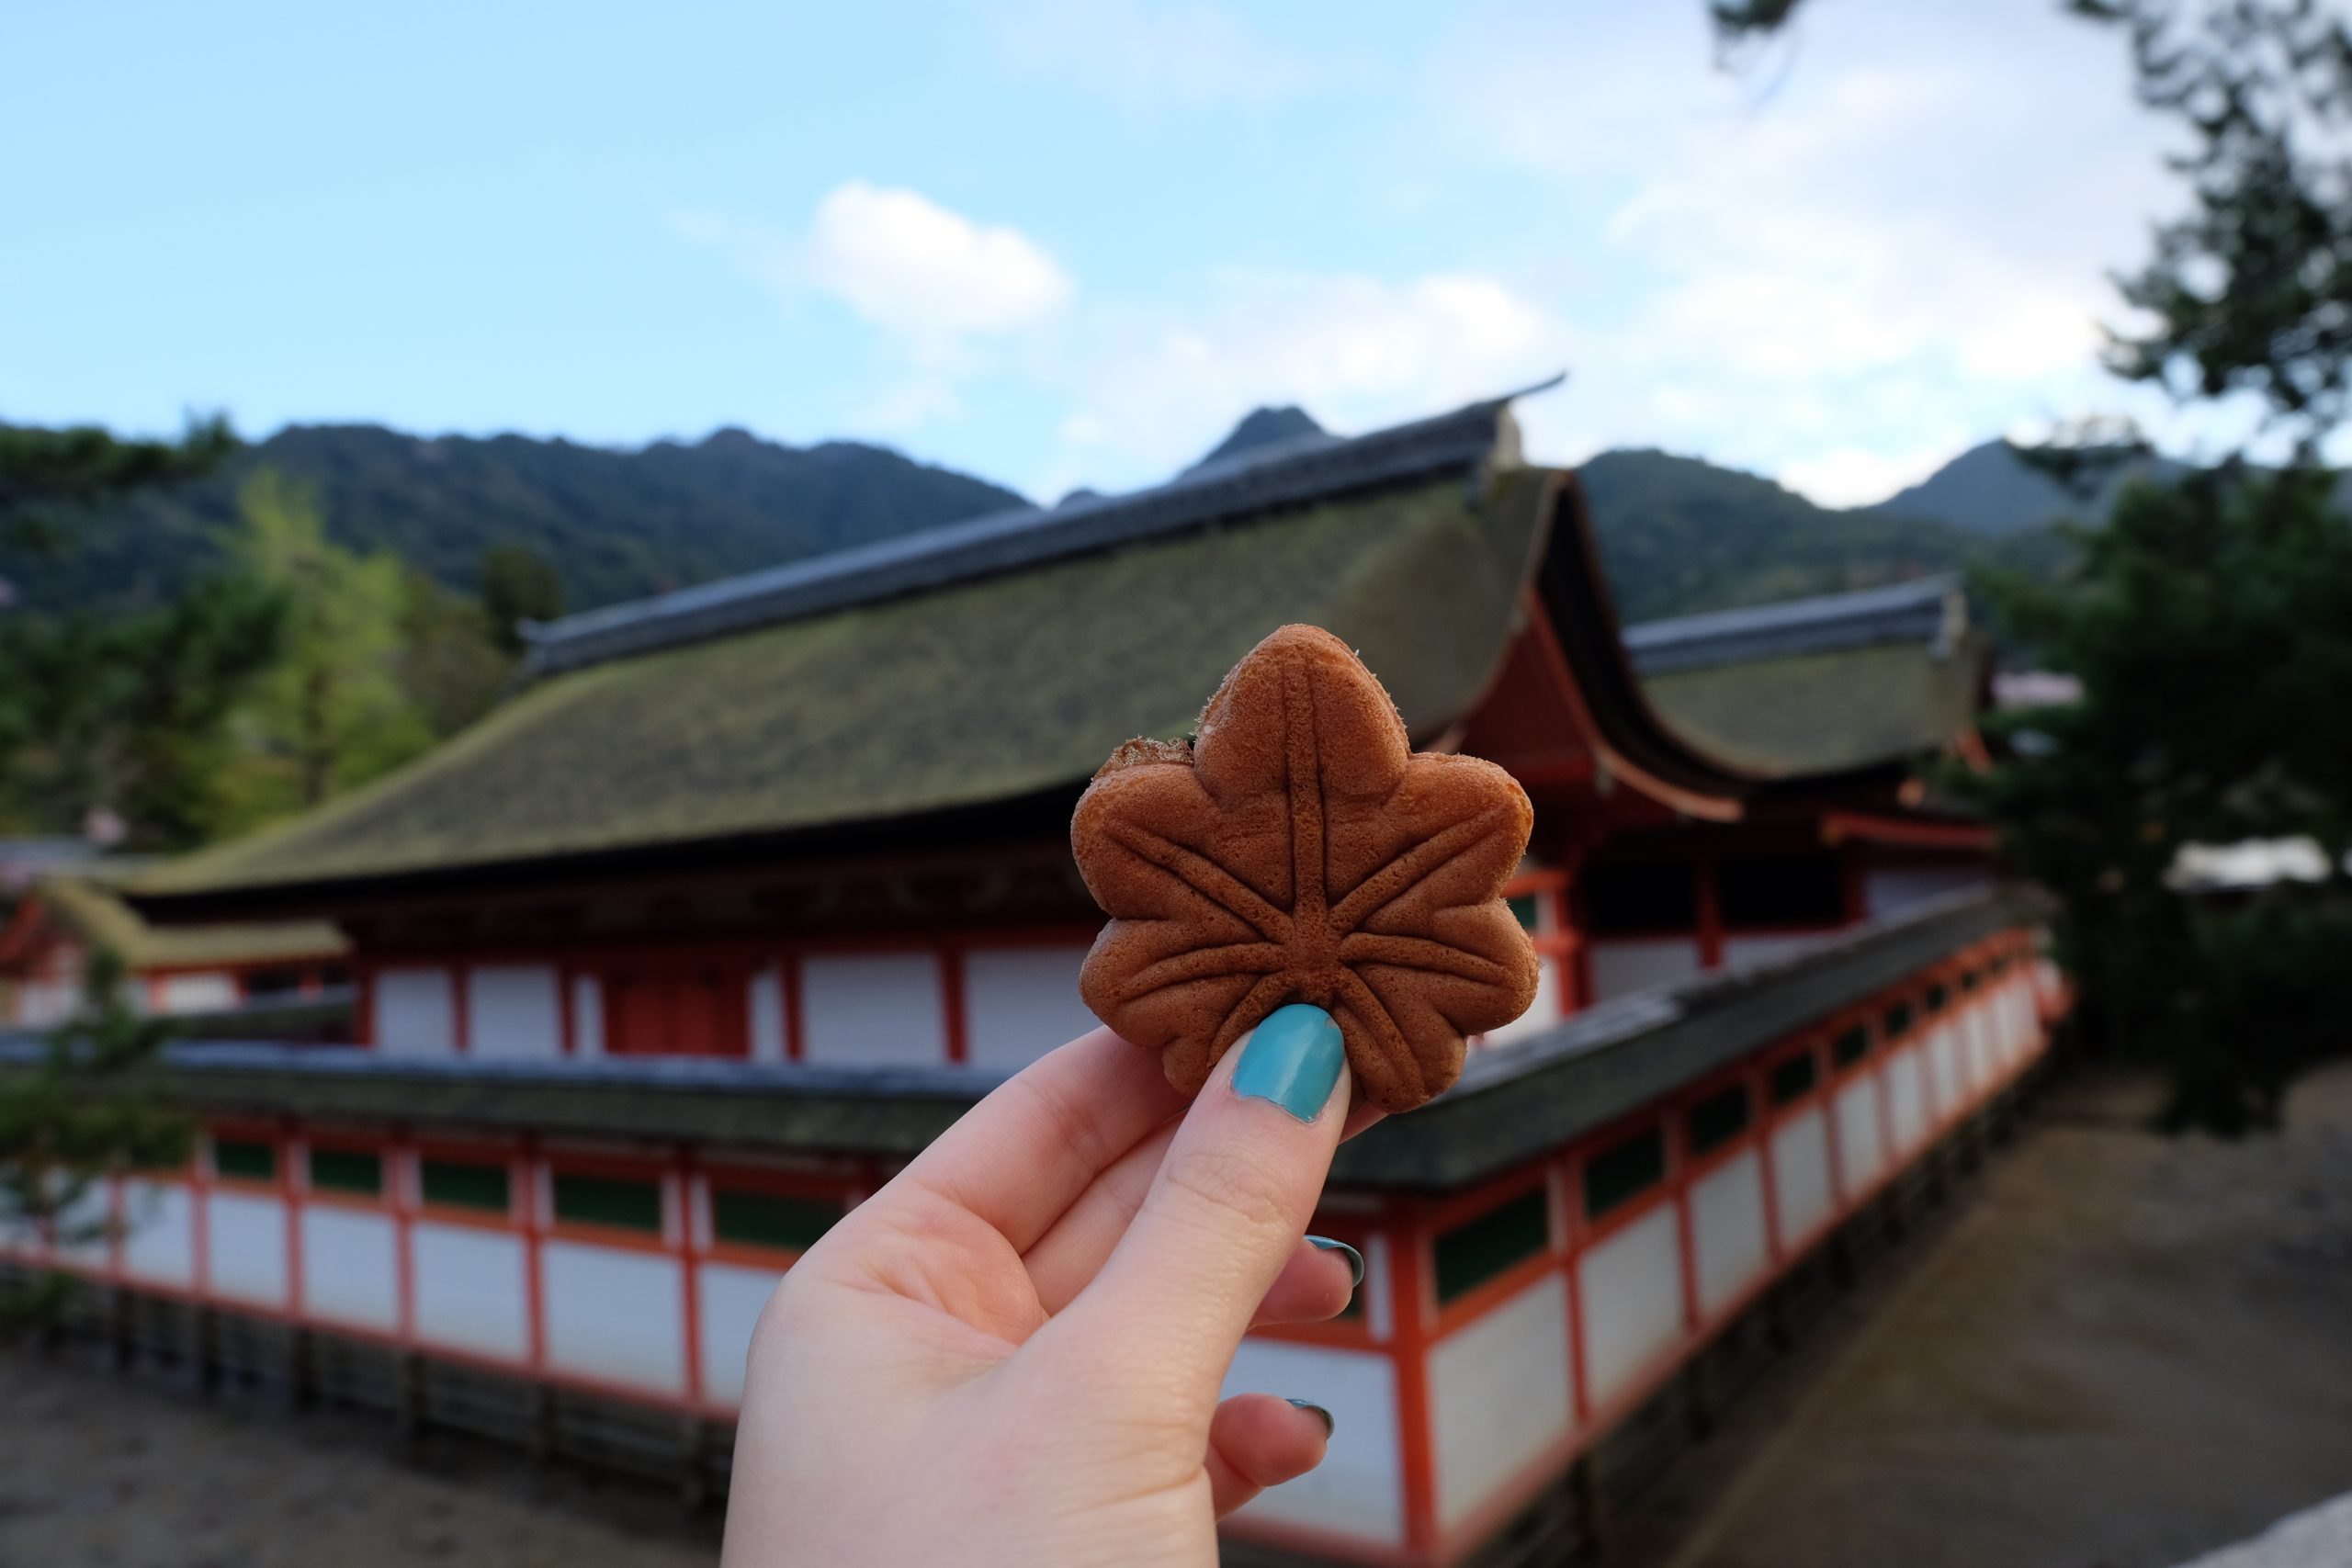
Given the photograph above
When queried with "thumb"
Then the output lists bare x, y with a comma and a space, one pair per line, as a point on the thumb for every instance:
1232, 1197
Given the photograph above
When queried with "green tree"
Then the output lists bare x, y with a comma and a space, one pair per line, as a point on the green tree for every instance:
43, 470
331, 712
451, 664
518, 584
130, 714
93, 1101
2210, 625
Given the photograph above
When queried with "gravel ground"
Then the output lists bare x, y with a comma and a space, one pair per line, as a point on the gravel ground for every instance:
2119, 1351
98, 1470
2125, 1350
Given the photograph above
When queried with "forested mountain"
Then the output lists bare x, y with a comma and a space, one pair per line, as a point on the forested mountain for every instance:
1678, 534
615, 523
1990, 491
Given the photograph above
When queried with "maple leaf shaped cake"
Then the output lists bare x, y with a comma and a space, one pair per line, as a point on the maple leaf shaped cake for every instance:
1298, 850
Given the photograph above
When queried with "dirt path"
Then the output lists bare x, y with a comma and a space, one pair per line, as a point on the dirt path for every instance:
2125, 1351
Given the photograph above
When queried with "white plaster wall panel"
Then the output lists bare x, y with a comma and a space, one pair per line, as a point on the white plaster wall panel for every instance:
41, 1003
615, 1315
766, 1001
1541, 1014
1632, 1290
1889, 888
350, 1272
513, 1012
730, 1297
1741, 949
1356, 1491
158, 1233
1862, 1152
587, 1016
415, 1012
1727, 1237
1500, 1393
245, 1243
205, 991
1020, 1002
1620, 967
472, 1291
1801, 1173
1943, 1068
872, 1009
1979, 1065
1907, 1102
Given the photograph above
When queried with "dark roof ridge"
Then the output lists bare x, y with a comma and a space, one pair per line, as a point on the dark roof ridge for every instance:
1920, 610
1284, 474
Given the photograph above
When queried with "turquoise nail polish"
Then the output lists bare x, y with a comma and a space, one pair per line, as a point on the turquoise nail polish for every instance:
1330, 1426
1292, 1059
1355, 1258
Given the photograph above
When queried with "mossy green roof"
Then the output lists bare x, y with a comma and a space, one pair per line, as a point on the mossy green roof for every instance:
981, 691
1825, 713
96, 914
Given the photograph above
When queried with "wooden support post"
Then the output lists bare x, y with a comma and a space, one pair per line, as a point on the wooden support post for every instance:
1592, 1503
1699, 1398
207, 1349
694, 1478
121, 1309
543, 1423
408, 1396
301, 1369
1843, 1269
1780, 1329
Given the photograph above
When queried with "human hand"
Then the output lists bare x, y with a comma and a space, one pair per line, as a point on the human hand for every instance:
1012, 1353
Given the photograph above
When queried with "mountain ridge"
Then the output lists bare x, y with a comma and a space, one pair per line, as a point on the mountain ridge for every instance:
1677, 534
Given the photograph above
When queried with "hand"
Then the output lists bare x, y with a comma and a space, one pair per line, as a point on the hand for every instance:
1012, 1353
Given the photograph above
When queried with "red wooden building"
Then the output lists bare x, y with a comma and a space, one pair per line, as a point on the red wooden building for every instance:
60, 921
684, 950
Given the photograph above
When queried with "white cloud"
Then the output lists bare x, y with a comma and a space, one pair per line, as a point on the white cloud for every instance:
1140, 55
947, 293
1849, 476
1154, 388
926, 275
1894, 235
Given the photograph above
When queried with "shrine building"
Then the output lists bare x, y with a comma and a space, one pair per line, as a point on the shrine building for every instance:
676, 956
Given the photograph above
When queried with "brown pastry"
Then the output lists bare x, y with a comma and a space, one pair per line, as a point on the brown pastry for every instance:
1297, 850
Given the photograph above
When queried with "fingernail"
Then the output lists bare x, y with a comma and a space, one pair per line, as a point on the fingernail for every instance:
1355, 1258
1330, 1426
1292, 1059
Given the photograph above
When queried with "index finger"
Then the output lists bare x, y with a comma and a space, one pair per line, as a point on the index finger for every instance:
1229, 1202
1027, 1152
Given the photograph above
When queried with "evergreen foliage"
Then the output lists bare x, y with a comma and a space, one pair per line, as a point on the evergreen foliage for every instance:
93, 1102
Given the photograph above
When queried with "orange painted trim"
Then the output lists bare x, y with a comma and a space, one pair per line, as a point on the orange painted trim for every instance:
1839, 826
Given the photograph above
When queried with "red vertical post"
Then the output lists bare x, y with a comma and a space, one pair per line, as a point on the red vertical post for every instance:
951, 999
1711, 914
1408, 1290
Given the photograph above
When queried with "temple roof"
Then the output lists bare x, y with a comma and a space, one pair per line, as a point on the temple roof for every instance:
967, 682
1819, 685
973, 694
89, 908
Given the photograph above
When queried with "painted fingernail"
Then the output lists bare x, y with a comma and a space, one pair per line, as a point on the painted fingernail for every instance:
1330, 1426
1355, 1258
1291, 1059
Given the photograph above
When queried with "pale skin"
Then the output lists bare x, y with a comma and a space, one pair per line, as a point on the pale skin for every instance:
1012, 1353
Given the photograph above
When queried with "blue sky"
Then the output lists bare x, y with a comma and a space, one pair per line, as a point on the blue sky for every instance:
1059, 244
